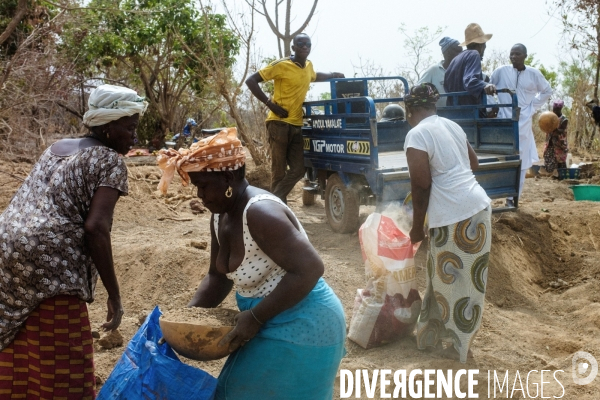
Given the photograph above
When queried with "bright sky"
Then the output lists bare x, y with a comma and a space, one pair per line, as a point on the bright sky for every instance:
343, 31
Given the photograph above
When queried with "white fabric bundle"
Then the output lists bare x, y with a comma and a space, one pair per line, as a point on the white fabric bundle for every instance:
109, 103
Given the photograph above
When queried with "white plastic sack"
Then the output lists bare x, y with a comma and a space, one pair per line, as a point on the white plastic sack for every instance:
389, 305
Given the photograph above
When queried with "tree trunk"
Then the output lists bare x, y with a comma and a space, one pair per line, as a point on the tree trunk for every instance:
277, 3
287, 48
12, 25
241, 128
287, 36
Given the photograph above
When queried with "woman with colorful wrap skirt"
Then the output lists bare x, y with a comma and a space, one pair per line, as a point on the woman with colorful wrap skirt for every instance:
441, 163
556, 150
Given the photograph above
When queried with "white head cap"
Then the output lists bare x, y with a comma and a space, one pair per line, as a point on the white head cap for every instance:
108, 103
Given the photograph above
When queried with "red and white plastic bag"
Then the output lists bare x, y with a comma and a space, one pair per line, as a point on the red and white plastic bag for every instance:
388, 307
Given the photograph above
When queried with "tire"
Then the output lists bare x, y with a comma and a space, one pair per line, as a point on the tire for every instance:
342, 205
308, 198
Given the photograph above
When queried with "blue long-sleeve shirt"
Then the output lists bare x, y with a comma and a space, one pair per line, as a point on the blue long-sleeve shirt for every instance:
464, 74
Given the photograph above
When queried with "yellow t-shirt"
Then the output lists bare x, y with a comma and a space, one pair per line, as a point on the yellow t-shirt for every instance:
291, 84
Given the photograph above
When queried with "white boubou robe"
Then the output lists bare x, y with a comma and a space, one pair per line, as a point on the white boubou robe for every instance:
533, 90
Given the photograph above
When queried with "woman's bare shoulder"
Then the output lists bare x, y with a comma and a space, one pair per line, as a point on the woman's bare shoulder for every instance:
268, 213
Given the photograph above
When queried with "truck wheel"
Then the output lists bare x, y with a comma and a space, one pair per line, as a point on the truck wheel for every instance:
342, 205
308, 198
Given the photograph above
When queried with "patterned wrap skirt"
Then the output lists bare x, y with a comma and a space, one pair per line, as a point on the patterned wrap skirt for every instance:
294, 356
52, 355
457, 269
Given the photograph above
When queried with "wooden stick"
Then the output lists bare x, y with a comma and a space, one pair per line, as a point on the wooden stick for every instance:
14, 176
592, 238
175, 219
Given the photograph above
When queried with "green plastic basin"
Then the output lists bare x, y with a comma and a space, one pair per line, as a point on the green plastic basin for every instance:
586, 192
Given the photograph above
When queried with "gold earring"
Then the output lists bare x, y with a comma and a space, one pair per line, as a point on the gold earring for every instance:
409, 115
228, 192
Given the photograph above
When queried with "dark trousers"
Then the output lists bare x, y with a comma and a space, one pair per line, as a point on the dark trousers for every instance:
287, 150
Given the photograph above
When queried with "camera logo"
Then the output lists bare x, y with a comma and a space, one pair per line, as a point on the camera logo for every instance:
585, 368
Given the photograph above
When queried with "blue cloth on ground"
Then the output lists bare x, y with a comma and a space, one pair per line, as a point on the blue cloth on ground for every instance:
295, 355
148, 370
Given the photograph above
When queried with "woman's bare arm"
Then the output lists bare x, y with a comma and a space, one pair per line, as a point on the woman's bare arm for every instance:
420, 186
473, 160
274, 232
97, 239
215, 286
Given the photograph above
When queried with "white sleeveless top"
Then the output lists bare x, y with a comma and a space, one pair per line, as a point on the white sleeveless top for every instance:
257, 275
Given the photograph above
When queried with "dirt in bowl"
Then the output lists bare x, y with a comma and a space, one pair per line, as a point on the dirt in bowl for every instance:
202, 316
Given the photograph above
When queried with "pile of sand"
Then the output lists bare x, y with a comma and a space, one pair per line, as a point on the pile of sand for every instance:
528, 322
215, 317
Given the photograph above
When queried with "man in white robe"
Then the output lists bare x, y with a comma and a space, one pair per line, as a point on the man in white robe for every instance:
533, 90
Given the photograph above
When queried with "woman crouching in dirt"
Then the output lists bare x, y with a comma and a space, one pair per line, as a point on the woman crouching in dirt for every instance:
55, 242
289, 337
441, 163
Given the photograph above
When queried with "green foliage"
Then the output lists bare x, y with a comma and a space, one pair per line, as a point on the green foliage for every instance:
417, 53
130, 29
574, 73
325, 96
578, 79
268, 87
223, 120
581, 25
157, 45
550, 75
8, 8
149, 126
36, 15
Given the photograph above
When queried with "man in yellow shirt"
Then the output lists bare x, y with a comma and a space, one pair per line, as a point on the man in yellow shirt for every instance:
291, 77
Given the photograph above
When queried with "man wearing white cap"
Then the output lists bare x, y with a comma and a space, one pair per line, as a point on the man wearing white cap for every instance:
533, 90
464, 72
435, 73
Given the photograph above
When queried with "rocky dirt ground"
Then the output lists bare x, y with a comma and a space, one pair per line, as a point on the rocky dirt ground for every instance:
542, 304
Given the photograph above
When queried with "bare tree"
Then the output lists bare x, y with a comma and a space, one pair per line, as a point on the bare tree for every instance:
417, 53
494, 59
581, 22
581, 28
286, 37
37, 99
222, 76
378, 89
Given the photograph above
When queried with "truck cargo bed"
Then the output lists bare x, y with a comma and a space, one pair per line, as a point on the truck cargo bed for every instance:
397, 159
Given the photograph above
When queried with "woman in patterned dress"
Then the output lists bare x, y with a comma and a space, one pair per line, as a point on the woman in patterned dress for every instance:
556, 150
55, 242
441, 163
289, 337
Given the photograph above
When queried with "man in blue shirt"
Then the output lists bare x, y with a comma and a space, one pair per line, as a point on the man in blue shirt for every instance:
435, 73
464, 72
187, 130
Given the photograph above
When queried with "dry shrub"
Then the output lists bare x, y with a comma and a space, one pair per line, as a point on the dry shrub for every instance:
36, 90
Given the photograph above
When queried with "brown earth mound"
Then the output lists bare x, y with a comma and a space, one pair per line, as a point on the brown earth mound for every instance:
542, 304
201, 316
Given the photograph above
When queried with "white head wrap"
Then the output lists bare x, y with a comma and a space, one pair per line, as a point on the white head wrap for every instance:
108, 103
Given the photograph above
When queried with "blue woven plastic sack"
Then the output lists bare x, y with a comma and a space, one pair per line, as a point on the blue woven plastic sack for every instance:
151, 371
